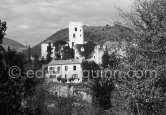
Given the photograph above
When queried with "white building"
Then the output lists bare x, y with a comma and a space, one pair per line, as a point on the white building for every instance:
76, 39
72, 68
97, 55
76, 34
65, 69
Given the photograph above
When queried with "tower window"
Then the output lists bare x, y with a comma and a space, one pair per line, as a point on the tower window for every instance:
58, 69
74, 35
66, 68
51, 68
65, 76
74, 67
75, 29
80, 35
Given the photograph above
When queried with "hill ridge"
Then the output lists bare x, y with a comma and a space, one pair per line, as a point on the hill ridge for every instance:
99, 34
13, 44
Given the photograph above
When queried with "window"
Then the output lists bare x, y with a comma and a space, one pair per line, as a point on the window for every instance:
52, 76
51, 68
58, 68
65, 76
66, 68
75, 29
74, 35
74, 67
75, 76
80, 35
80, 30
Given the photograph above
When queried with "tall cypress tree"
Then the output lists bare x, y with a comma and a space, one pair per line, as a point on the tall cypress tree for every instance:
2, 50
105, 59
49, 52
29, 54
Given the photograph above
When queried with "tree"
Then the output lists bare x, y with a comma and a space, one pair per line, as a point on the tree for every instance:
29, 54
148, 22
49, 52
91, 68
110, 60
2, 50
12, 89
85, 50
114, 61
105, 59
37, 64
3, 28
102, 89
59, 46
68, 53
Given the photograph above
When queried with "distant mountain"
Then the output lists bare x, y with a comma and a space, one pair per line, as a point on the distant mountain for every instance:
98, 34
13, 44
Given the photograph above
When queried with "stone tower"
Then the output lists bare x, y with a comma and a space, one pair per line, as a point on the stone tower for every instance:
76, 34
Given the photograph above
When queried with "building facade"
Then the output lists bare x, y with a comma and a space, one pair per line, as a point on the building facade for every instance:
76, 34
65, 69
71, 70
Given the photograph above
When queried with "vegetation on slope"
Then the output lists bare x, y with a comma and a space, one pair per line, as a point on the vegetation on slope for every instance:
13, 44
99, 34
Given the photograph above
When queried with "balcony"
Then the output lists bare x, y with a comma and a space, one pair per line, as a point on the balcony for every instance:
53, 72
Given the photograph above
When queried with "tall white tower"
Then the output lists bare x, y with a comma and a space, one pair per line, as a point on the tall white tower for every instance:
76, 34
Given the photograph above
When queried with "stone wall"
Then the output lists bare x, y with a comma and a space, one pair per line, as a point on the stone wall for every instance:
65, 90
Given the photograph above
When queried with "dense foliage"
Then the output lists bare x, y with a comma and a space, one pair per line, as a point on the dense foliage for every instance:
62, 51
110, 61
86, 50
99, 34
49, 52
145, 96
136, 93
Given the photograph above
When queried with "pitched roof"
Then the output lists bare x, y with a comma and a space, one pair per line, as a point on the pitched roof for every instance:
64, 62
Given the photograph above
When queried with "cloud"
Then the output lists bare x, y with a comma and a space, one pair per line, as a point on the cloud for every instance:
23, 26
35, 20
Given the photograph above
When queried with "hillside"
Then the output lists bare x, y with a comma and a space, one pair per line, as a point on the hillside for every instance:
13, 44
98, 34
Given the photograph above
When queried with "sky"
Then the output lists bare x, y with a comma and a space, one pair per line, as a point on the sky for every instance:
32, 21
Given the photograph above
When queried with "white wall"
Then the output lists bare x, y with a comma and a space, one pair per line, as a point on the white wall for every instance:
79, 34
97, 55
69, 72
